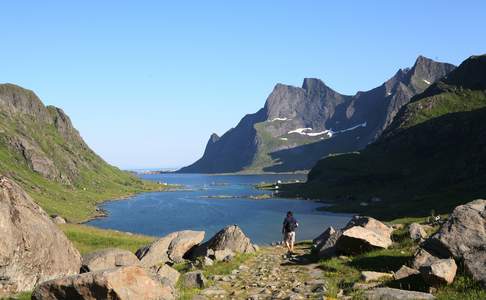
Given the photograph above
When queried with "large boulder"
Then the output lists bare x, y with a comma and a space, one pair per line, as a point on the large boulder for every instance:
32, 248
324, 236
231, 238
170, 248
463, 237
358, 239
370, 224
124, 283
362, 234
396, 294
439, 272
107, 259
327, 243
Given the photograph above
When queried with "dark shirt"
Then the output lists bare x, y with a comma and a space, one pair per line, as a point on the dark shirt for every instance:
288, 220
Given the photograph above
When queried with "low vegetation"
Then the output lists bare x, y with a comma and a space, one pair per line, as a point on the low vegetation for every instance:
343, 272
88, 239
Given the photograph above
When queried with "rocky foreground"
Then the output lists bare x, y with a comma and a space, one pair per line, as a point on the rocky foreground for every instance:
35, 255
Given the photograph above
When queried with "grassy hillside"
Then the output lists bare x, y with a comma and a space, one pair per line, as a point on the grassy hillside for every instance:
41, 150
433, 156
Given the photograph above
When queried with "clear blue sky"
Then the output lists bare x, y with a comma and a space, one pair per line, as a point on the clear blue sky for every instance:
147, 82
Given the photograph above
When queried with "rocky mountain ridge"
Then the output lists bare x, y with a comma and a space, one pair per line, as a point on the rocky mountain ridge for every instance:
431, 155
43, 152
298, 126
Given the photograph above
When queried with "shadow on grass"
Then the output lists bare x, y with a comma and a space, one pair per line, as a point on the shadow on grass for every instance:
381, 263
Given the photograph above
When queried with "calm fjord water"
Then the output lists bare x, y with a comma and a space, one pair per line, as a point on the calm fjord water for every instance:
194, 208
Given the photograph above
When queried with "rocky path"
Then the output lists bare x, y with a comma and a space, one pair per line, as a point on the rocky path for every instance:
270, 275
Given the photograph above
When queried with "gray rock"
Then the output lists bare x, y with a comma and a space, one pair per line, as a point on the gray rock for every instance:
362, 234
194, 279
370, 224
396, 294
107, 259
123, 283
423, 258
475, 265
327, 246
223, 255
324, 236
463, 237
357, 239
58, 219
230, 238
439, 272
170, 248
32, 248
167, 272
404, 272
368, 276
207, 261
417, 232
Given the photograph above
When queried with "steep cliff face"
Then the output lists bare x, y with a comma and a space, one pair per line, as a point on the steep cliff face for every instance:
298, 126
41, 150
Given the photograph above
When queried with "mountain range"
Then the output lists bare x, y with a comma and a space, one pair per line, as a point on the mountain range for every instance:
299, 126
42, 151
432, 157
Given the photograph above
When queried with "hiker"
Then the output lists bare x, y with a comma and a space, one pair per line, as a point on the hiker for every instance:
288, 231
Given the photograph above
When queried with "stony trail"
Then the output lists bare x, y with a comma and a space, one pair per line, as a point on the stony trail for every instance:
270, 274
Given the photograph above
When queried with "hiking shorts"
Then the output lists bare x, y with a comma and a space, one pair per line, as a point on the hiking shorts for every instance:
289, 237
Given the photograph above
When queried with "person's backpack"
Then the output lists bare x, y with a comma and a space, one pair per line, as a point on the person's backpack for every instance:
290, 225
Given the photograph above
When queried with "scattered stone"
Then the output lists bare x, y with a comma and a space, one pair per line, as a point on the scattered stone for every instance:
396, 294
213, 292
57, 219
423, 258
404, 272
463, 237
199, 297
194, 279
122, 283
32, 248
231, 237
398, 226
417, 232
207, 261
107, 259
170, 248
165, 271
439, 272
365, 286
223, 255
368, 276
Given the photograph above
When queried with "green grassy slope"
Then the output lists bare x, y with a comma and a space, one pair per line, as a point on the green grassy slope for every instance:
75, 178
433, 156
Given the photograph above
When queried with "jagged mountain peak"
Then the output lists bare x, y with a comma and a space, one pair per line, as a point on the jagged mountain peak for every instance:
213, 138
299, 125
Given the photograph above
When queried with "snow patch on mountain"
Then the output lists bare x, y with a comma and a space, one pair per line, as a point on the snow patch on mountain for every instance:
300, 130
280, 119
426, 81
